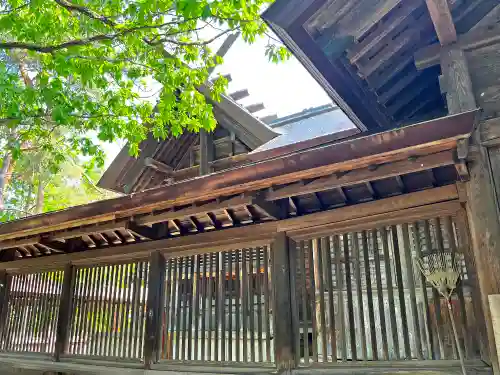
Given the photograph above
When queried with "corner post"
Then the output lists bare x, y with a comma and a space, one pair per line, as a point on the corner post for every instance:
4, 299
154, 306
64, 314
283, 335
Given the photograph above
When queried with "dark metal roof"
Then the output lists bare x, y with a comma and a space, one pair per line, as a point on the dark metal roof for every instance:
308, 125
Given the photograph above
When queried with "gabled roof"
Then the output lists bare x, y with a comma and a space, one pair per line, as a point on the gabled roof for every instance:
125, 172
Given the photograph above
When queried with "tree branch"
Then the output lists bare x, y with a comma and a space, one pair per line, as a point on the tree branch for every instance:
84, 10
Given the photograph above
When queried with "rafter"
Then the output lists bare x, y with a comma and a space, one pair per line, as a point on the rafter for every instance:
158, 165
443, 21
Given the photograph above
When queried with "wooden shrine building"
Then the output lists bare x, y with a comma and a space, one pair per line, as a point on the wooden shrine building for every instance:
289, 245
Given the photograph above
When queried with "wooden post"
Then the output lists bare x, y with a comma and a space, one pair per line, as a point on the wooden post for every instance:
283, 335
206, 151
65, 311
4, 299
152, 347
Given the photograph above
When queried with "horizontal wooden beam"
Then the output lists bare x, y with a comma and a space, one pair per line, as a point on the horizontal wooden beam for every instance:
158, 165
217, 205
273, 169
371, 173
365, 210
240, 94
478, 38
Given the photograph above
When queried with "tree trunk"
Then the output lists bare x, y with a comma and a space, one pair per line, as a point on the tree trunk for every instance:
39, 197
4, 177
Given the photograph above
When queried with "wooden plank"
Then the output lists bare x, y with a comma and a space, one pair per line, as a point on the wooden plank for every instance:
238, 301
206, 151
158, 166
311, 292
204, 286
267, 303
476, 39
367, 209
369, 294
304, 304
283, 337
438, 321
258, 292
252, 108
251, 306
398, 16
295, 292
410, 282
358, 176
400, 289
244, 302
359, 294
430, 344
319, 293
431, 136
380, 294
240, 94
350, 305
443, 21
459, 90
64, 314
154, 308
230, 308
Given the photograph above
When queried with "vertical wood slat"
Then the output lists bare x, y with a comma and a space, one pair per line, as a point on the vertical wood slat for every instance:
411, 286
237, 293
258, 281
369, 293
327, 270
167, 327
117, 306
380, 294
177, 316
356, 255
350, 304
196, 304
305, 318
251, 295
230, 307
244, 303
440, 248
222, 308
210, 290
319, 297
340, 294
450, 234
184, 315
390, 291
295, 291
218, 304
423, 286
64, 312
5, 296
312, 296
435, 298
400, 287
283, 336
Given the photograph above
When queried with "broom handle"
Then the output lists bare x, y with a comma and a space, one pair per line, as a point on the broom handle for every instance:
459, 348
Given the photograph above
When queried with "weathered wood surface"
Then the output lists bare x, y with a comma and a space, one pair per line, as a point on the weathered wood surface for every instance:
420, 139
443, 21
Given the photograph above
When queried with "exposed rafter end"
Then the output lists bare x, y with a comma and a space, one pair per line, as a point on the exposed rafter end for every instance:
157, 165
142, 231
269, 208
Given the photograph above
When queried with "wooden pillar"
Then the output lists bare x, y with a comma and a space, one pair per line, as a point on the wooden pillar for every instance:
494, 301
206, 151
64, 314
152, 346
4, 299
283, 335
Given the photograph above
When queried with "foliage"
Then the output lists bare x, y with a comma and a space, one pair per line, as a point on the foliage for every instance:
75, 73
73, 183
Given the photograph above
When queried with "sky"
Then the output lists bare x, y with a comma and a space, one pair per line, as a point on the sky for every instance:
284, 89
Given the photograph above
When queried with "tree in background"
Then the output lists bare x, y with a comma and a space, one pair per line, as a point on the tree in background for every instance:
76, 73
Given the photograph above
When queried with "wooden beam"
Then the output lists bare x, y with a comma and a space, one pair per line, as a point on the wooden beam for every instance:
419, 139
364, 175
252, 108
365, 210
64, 313
206, 151
240, 94
156, 293
475, 39
271, 209
459, 91
283, 336
217, 205
443, 21
142, 231
158, 165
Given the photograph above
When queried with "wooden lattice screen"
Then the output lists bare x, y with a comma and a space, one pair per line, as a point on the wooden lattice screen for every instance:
109, 311
218, 307
360, 296
31, 316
